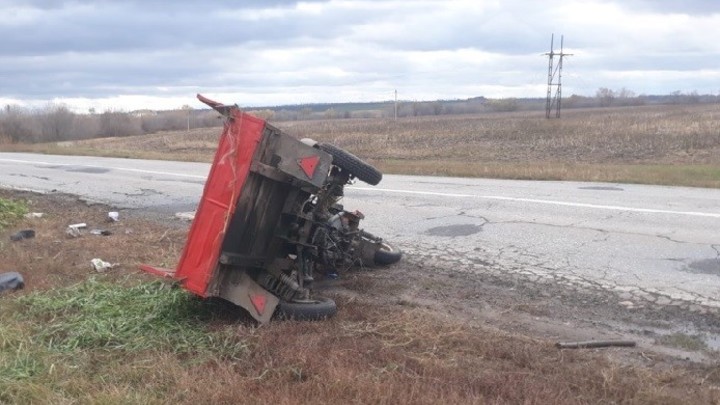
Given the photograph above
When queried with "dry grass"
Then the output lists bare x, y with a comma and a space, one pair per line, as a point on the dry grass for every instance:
672, 145
53, 259
661, 134
369, 353
198, 145
652, 144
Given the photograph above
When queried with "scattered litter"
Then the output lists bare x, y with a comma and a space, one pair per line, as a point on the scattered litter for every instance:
103, 232
594, 344
100, 265
11, 281
24, 234
31, 215
113, 216
186, 216
74, 230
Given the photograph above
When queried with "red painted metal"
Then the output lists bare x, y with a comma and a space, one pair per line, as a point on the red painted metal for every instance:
158, 271
239, 140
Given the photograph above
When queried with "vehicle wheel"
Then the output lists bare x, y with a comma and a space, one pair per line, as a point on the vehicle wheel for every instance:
307, 310
387, 254
353, 164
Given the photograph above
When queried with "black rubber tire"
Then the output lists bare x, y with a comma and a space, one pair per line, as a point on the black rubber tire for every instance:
353, 164
387, 254
312, 310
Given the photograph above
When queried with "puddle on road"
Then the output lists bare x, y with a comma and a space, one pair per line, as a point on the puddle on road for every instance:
713, 342
454, 230
707, 266
687, 337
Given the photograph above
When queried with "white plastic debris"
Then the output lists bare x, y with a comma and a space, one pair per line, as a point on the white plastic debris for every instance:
101, 266
113, 216
186, 216
74, 230
31, 215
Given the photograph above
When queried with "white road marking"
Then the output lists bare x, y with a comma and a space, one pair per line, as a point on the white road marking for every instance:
386, 190
192, 176
548, 202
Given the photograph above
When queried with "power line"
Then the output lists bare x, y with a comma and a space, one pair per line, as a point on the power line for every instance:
554, 72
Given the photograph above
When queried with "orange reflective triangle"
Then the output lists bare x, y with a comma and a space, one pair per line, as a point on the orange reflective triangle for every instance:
309, 164
258, 301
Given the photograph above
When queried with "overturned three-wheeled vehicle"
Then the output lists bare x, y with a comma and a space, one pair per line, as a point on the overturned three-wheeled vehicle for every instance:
269, 222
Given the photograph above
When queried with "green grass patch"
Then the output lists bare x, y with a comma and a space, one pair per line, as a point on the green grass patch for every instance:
669, 175
683, 175
146, 316
47, 336
684, 341
10, 211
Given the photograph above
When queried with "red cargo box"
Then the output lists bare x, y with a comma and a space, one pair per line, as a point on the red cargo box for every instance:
256, 173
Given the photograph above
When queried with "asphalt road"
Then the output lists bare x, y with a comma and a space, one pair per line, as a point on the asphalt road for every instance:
646, 243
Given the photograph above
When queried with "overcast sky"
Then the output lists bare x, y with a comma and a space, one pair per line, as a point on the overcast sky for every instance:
158, 54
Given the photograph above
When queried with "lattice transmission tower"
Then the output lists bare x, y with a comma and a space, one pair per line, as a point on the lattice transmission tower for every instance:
553, 102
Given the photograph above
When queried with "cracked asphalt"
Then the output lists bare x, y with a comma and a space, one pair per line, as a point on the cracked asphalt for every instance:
646, 245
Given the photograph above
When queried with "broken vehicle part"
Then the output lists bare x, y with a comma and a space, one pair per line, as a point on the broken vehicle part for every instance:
591, 344
269, 222
11, 281
24, 234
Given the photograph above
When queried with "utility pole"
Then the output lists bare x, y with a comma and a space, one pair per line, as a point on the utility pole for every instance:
395, 104
554, 72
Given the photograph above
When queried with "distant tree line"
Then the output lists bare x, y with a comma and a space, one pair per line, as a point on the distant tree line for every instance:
604, 97
56, 122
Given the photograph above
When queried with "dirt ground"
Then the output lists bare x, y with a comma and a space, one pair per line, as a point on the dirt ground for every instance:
544, 314
666, 336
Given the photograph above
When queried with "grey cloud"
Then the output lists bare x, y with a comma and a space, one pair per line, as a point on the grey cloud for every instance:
126, 29
164, 4
97, 49
695, 7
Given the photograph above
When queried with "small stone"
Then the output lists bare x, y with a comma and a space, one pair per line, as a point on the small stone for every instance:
627, 304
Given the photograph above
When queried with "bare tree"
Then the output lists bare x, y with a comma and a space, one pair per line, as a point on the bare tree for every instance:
57, 123
18, 125
115, 123
605, 96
